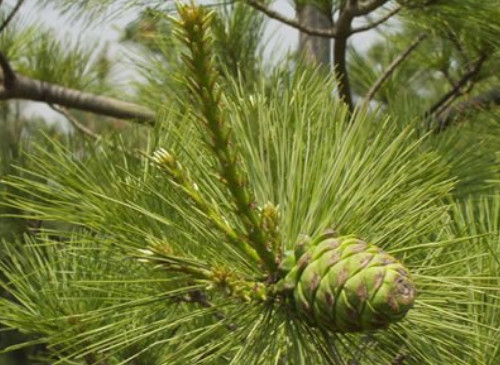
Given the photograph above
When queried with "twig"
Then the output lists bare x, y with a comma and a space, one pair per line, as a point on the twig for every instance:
341, 32
447, 76
201, 298
327, 33
455, 113
452, 37
16, 86
11, 15
376, 23
391, 68
181, 177
74, 122
333, 32
461, 83
136, 153
450, 101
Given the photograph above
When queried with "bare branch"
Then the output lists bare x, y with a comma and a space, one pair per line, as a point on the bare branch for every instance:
135, 153
11, 15
442, 110
17, 86
74, 122
333, 32
319, 32
445, 72
456, 113
391, 68
453, 38
459, 85
341, 32
376, 23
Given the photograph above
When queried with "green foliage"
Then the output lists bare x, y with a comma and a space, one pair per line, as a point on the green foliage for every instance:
478, 28
38, 53
172, 254
75, 67
237, 46
16, 139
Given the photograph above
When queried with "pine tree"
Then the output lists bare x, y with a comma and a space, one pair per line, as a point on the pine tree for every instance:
272, 214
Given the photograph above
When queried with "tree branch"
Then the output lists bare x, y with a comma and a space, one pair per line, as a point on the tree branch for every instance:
447, 76
319, 32
75, 123
391, 68
135, 153
10, 16
344, 22
456, 113
453, 39
340, 32
461, 83
17, 86
450, 101
333, 32
376, 23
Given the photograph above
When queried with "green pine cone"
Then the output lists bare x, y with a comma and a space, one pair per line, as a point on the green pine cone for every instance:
346, 285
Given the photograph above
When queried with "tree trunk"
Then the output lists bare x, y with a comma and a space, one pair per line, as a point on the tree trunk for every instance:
316, 50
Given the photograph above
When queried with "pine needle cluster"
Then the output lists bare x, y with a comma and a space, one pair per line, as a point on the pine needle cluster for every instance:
174, 255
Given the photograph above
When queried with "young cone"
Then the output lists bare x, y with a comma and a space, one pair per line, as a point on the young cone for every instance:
346, 285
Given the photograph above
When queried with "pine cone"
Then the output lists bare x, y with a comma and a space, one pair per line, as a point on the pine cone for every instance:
346, 285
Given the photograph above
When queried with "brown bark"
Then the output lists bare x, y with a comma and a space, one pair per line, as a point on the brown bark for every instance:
458, 112
16, 86
29, 89
340, 55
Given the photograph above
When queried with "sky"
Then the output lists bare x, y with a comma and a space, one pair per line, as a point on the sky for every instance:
280, 38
